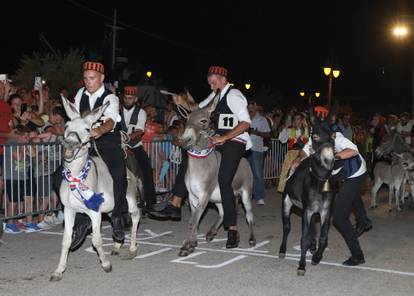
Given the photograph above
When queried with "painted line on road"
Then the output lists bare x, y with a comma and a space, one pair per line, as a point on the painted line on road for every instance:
153, 253
367, 268
223, 263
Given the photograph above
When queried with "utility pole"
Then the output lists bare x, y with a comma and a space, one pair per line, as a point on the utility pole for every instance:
114, 28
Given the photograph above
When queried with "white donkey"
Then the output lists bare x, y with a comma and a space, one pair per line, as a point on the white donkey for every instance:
95, 188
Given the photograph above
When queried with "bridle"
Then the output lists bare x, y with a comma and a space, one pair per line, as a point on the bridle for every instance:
78, 147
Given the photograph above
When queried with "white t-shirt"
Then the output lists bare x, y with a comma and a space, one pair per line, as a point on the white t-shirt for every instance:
260, 124
140, 125
238, 105
407, 129
341, 143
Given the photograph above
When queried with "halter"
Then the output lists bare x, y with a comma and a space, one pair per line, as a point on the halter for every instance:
78, 146
202, 153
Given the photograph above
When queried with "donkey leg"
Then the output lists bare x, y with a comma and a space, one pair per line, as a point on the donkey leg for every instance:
133, 249
66, 241
374, 190
312, 235
304, 241
97, 240
191, 242
211, 234
286, 207
323, 237
390, 197
247, 202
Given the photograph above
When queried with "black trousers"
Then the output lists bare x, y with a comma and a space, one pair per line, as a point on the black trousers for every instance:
147, 174
179, 188
349, 196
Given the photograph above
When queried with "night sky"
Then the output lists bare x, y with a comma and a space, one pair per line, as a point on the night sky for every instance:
278, 47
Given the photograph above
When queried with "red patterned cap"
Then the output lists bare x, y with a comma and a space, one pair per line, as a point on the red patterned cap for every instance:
217, 70
95, 66
130, 90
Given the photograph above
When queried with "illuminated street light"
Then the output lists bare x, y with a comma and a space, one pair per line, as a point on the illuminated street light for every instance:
247, 86
331, 73
327, 70
302, 93
400, 31
317, 94
149, 74
336, 73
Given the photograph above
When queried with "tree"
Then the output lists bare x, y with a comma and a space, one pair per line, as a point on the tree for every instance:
63, 69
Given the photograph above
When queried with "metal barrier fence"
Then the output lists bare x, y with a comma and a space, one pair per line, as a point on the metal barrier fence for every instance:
27, 173
274, 158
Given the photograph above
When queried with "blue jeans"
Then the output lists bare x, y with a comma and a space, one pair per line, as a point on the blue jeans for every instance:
256, 162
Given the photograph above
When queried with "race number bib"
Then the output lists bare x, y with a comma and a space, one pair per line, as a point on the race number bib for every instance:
227, 121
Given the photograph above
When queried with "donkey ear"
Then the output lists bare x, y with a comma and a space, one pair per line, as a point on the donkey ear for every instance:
213, 104
189, 96
96, 114
334, 110
70, 109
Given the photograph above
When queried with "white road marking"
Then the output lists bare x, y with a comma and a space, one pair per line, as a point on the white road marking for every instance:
253, 249
184, 259
223, 263
153, 253
289, 256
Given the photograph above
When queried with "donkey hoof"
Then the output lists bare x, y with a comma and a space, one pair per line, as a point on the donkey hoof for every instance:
210, 236
184, 252
315, 260
133, 253
107, 268
301, 272
115, 253
56, 276
252, 242
282, 255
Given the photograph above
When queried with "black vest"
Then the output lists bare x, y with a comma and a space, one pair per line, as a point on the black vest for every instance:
223, 118
132, 121
109, 138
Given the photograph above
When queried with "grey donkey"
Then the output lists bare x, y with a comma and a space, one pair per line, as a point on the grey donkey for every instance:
201, 178
395, 175
76, 145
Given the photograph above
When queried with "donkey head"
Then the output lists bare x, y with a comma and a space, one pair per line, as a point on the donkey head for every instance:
197, 129
392, 142
76, 139
323, 140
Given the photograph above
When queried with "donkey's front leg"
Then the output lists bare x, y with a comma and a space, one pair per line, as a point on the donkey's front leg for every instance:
66, 241
323, 237
191, 242
97, 240
304, 241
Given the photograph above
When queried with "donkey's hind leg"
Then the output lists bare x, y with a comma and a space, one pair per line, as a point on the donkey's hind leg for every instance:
97, 240
247, 203
211, 234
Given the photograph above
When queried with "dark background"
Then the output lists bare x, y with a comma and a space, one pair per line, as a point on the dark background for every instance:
280, 48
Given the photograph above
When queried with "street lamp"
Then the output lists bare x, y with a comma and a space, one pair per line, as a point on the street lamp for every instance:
247, 86
400, 31
149, 74
302, 93
317, 94
331, 73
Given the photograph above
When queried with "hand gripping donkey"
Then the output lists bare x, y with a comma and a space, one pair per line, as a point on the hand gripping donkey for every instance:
201, 177
308, 188
89, 188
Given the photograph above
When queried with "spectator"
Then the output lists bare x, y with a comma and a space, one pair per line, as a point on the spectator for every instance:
345, 127
405, 126
259, 129
22, 115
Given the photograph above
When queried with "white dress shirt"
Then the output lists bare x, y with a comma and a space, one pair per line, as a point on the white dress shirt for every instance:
140, 125
341, 143
238, 105
111, 112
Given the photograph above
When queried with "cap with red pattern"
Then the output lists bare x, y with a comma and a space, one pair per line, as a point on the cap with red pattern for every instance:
217, 70
130, 90
95, 66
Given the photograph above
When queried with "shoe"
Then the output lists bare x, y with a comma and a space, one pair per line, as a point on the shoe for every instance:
233, 239
32, 227
354, 261
363, 227
12, 228
169, 212
44, 225
80, 232
260, 202
118, 230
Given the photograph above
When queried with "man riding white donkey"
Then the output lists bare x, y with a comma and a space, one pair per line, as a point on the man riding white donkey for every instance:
231, 122
96, 100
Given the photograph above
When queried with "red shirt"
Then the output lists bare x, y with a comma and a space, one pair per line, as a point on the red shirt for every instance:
5, 118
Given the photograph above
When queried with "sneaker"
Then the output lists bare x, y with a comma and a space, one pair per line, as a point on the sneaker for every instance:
260, 202
12, 228
44, 224
32, 227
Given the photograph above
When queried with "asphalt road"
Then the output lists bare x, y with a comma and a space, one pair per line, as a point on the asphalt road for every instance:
27, 260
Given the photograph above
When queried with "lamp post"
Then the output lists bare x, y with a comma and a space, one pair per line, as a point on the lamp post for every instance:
331, 73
